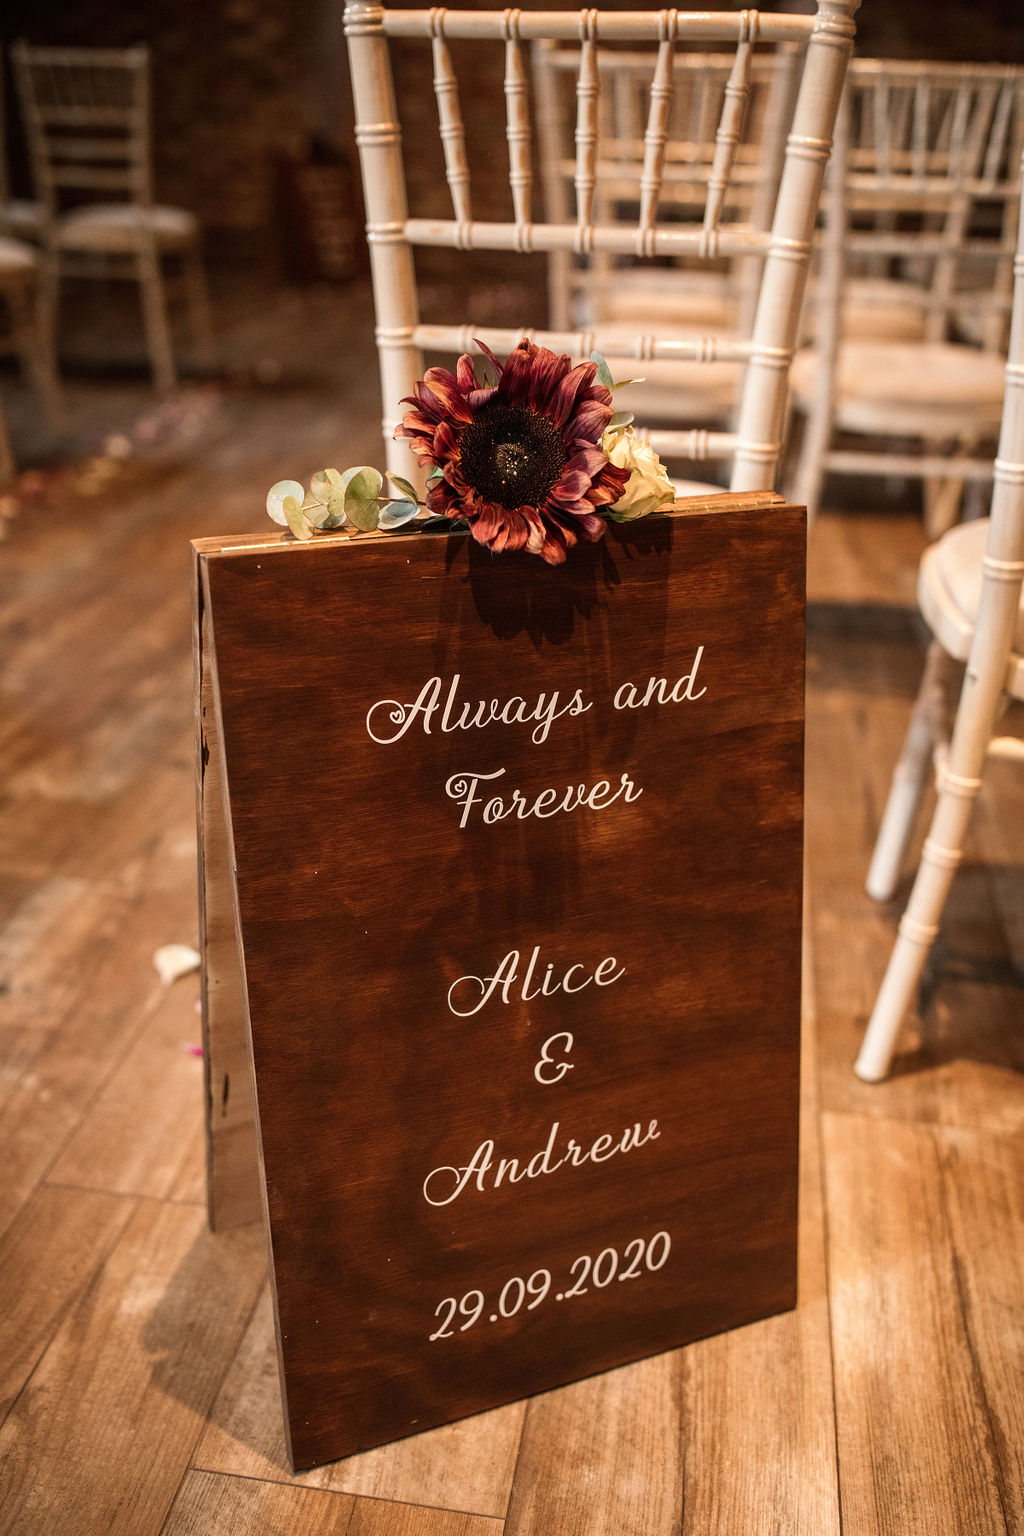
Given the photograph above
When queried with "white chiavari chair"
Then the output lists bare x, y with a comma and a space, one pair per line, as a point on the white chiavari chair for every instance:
970, 594
781, 248
920, 213
87, 117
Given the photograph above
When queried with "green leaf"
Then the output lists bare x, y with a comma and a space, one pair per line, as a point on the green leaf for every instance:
436, 474
620, 419
334, 512
360, 487
436, 524
404, 486
334, 476
364, 515
298, 520
604, 373
276, 498
621, 383
397, 514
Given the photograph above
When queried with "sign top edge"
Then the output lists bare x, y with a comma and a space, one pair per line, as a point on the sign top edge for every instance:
252, 543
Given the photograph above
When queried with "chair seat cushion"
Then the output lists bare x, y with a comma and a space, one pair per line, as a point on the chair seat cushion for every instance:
949, 592
908, 388
877, 309
18, 262
21, 218
120, 227
686, 488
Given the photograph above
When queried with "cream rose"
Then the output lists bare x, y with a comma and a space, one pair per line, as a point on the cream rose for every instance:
648, 486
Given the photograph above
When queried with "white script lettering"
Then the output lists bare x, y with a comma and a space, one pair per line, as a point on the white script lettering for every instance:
463, 788
465, 716
443, 1185
507, 974
658, 691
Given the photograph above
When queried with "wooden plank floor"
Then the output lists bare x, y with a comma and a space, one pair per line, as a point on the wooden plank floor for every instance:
138, 1384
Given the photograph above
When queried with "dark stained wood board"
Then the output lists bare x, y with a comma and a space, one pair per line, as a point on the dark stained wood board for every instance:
373, 920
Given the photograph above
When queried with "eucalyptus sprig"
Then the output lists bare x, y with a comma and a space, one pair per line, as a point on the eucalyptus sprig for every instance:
351, 499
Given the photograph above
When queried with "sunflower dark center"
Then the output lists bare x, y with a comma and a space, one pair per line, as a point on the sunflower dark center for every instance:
512, 454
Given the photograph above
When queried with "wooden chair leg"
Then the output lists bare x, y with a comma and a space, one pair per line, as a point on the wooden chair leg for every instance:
959, 781
197, 298
809, 475
33, 338
154, 312
909, 776
7, 464
919, 924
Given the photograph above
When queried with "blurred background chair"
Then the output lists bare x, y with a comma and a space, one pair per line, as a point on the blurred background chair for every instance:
28, 332
87, 118
25, 323
20, 217
970, 595
655, 234
919, 228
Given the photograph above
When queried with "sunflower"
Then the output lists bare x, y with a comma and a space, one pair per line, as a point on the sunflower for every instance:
521, 461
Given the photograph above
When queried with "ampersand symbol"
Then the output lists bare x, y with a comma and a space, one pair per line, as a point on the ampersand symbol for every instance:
558, 1069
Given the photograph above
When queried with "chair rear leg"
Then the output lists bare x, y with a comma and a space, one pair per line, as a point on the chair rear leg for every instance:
33, 338
919, 924
909, 777
154, 314
7, 464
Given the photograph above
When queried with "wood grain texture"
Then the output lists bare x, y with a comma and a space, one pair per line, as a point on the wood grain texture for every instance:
909, 1394
372, 1519
77, 1001
983, 1190
128, 1379
368, 1142
49, 1255
468, 1465
618, 1470
143, 1135
763, 1395
208, 1505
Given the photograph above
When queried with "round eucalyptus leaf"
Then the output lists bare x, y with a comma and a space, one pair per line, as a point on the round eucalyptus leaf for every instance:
298, 520
363, 515
360, 485
276, 499
397, 514
604, 373
620, 419
404, 486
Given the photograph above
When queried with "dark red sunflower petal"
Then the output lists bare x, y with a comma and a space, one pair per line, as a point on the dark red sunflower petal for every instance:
571, 393
514, 384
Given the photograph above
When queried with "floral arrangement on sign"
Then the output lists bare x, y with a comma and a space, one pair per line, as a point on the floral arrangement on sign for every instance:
535, 462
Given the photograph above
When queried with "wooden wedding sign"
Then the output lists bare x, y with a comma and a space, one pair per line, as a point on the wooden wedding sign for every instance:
517, 858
